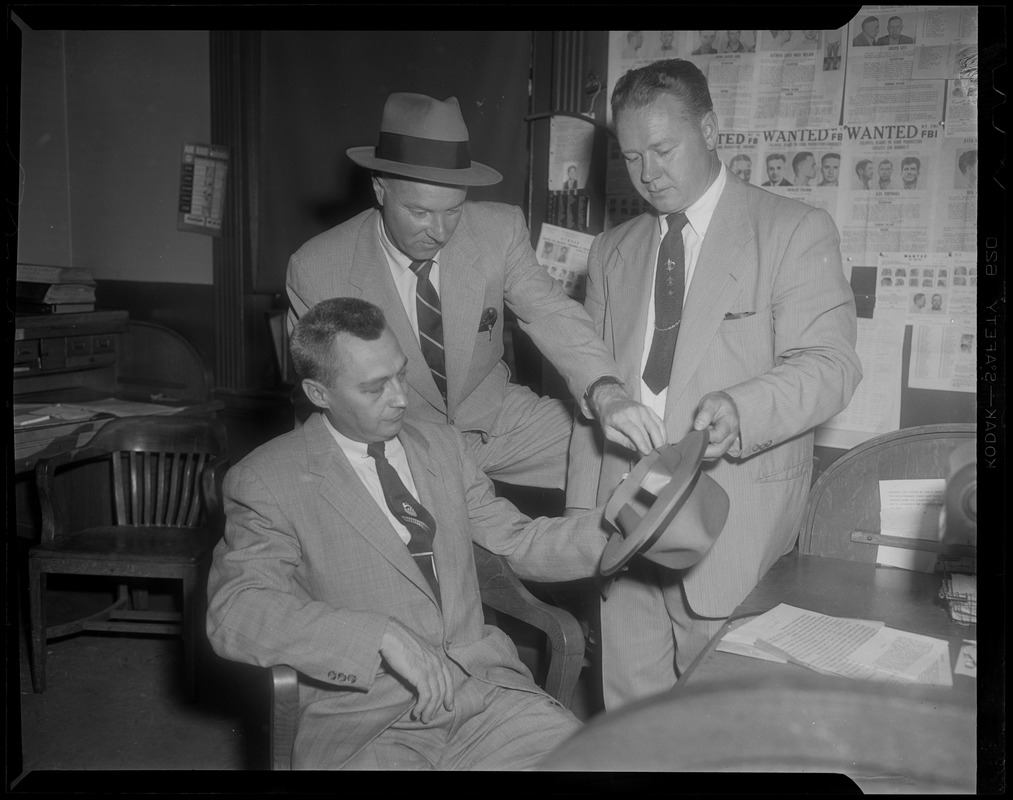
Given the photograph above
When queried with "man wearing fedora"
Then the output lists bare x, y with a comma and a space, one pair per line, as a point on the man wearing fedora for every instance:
728, 310
441, 268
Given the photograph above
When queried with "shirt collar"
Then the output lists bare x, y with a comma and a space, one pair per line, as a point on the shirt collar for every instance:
351, 448
699, 214
395, 257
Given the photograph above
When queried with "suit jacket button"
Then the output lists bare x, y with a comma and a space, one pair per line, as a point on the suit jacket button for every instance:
351, 679
332, 675
342, 677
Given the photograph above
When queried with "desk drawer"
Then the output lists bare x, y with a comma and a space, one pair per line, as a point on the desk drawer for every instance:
103, 343
78, 346
53, 353
26, 351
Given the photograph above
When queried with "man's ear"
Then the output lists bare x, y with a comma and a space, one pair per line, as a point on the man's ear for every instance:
379, 189
709, 129
316, 392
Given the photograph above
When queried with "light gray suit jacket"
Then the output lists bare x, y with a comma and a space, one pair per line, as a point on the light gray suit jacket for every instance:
309, 571
770, 319
487, 261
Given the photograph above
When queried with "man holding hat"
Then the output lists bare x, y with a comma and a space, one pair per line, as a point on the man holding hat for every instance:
440, 268
728, 310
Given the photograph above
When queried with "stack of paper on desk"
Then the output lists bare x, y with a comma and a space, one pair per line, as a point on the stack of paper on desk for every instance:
961, 592
851, 648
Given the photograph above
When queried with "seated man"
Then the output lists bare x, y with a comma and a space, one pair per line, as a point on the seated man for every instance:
348, 554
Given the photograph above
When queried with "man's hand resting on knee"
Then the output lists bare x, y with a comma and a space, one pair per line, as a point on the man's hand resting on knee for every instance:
420, 665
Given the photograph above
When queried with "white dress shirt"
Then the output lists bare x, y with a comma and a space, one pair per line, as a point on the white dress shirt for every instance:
404, 278
365, 467
699, 215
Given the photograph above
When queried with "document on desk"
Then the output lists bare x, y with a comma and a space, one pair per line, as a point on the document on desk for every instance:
851, 648
128, 408
910, 509
747, 638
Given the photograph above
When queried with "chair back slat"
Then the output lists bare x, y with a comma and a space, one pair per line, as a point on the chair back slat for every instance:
147, 470
176, 471
119, 496
135, 490
160, 516
186, 489
193, 515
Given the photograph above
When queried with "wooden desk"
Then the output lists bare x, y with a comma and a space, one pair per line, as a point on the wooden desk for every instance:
731, 713
900, 598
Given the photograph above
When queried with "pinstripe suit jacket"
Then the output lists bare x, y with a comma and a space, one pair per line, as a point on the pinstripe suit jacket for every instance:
309, 571
487, 261
770, 319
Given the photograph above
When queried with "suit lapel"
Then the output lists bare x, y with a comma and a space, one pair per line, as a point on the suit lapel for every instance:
341, 488
371, 274
630, 290
714, 286
461, 287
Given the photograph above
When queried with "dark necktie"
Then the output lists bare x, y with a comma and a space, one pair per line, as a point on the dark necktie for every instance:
669, 287
419, 522
427, 304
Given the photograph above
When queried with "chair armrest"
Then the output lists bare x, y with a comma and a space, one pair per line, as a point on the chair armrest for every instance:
503, 591
53, 523
284, 715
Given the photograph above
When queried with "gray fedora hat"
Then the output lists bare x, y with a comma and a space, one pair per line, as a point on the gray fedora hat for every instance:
666, 509
425, 139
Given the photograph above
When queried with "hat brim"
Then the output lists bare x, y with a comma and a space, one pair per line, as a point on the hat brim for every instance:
475, 175
666, 509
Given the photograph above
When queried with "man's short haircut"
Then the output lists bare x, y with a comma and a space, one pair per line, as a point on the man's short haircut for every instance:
313, 336
677, 77
867, 20
967, 160
910, 160
895, 18
775, 157
861, 165
799, 158
741, 157
886, 161
830, 155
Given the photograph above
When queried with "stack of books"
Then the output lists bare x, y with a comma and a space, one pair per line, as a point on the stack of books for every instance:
54, 290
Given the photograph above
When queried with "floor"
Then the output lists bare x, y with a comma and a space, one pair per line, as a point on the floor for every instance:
115, 703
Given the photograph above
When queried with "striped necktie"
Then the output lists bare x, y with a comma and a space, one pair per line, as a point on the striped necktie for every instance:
669, 287
430, 316
412, 514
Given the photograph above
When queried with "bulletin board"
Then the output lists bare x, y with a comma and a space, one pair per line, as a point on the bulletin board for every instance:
879, 128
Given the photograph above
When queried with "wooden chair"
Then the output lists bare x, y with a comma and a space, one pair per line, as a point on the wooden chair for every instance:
160, 475
156, 362
845, 498
501, 591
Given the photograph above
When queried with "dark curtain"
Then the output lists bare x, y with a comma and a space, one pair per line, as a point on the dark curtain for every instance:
323, 92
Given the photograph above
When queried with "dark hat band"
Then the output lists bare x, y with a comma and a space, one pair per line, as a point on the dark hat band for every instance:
423, 152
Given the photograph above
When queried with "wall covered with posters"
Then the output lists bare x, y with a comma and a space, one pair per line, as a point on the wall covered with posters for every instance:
875, 122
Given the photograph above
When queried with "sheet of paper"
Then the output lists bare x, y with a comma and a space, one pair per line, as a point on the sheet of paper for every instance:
875, 407
910, 509
818, 641
967, 661
127, 408
563, 253
911, 656
65, 412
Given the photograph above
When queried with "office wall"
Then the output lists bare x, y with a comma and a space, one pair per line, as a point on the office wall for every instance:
324, 91
103, 118
133, 98
44, 192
